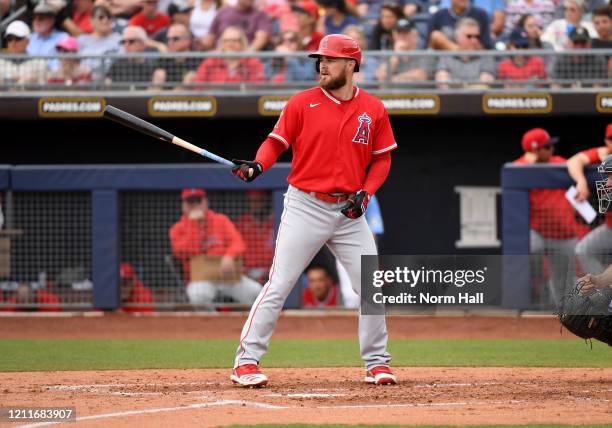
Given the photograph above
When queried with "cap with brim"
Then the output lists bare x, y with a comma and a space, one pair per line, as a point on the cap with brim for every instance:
404, 25
519, 38
68, 43
18, 29
193, 193
537, 138
579, 34
44, 9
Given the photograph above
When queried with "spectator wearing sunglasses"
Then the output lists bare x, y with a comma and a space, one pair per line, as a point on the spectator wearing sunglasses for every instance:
17, 37
71, 71
466, 70
552, 221
441, 28
520, 67
177, 70
202, 231
577, 70
558, 31
100, 42
45, 37
131, 69
150, 18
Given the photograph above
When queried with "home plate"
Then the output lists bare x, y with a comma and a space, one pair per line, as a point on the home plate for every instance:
306, 395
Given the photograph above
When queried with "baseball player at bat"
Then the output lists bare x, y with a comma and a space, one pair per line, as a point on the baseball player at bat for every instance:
341, 140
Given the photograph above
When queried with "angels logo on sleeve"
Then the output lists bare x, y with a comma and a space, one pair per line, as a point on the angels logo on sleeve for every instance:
363, 130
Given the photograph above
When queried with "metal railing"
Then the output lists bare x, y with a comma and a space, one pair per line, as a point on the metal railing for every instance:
273, 72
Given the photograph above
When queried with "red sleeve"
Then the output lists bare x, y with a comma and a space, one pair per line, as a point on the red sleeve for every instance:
383, 135
184, 237
202, 72
287, 125
268, 152
378, 172
593, 155
541, 68
136, 20
235, 242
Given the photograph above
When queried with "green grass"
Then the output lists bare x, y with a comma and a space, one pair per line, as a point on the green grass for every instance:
32, 355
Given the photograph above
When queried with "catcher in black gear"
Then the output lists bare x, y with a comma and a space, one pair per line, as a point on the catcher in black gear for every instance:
586, 311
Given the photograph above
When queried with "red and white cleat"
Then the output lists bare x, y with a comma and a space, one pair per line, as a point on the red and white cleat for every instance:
248, 375
380, 375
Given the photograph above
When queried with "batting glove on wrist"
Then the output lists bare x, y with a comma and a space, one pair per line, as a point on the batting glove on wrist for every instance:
356, 205
246, 170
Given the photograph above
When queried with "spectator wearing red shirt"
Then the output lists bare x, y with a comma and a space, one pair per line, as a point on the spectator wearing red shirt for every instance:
595, 249
320, 292
80, 20
71, 71
204, 231
135, 297
255, 23
307, 13
26, 298
149, 18
552, 220
520, 67
257, 228
231, 70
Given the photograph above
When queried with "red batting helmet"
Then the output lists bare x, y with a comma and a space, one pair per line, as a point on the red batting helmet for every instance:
339, 46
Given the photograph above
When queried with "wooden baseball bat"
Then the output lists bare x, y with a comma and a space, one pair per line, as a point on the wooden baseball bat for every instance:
140, 125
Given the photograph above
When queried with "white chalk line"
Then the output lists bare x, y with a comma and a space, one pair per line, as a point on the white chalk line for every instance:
163, 410
449, 404
304, 395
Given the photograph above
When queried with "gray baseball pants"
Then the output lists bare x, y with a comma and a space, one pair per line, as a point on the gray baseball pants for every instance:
306, 225
595, 249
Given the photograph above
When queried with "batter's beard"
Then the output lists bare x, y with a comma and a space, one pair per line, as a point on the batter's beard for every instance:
334, 83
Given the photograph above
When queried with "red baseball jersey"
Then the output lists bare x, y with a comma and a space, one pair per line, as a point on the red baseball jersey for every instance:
333, 141
151, 26
551, 215
593, 155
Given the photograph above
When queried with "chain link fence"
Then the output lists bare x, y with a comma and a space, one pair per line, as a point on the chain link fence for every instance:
197, 71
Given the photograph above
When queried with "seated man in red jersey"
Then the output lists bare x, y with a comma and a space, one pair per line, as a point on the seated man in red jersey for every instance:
204, 232
321, 292
135, 297
552, 219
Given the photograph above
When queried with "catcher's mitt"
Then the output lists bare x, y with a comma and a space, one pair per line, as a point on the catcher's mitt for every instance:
588, 315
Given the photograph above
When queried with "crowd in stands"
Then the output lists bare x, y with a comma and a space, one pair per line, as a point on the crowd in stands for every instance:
102, 27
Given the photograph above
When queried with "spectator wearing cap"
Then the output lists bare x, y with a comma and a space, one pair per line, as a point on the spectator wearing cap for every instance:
256, 226
581, 70
405, 67
179, 13
176, 70
467, 70
71, 71
496, 11
231, 70
131, 69
558, 31
202, 17
307, 14
520, 67
602, 21
150, 18
337, 16
441, 29
45, 37
382, 33
597, 244
100, 42
202, 231
542, 11
290, 68
17, 37
135, 297
370, 68
551, 217
255, 23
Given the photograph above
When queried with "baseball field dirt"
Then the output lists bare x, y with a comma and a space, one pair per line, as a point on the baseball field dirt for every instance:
205, 397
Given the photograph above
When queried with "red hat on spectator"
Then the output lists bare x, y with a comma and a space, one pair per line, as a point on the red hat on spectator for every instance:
127, 271
70, 44
536, 139
311, 7
609, 130
191, 193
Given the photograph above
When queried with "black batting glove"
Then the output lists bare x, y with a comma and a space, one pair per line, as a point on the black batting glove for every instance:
246, 170
356, 205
